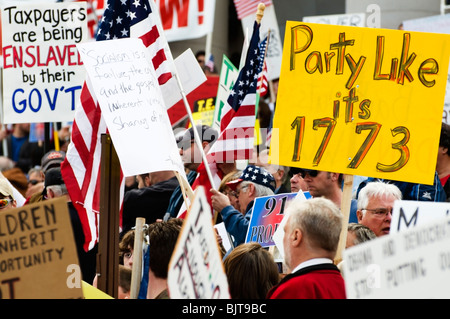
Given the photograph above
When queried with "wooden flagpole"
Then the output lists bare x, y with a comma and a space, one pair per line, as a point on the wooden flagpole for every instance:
136, 271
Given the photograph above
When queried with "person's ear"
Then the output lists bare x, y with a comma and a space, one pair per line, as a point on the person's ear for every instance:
296, 237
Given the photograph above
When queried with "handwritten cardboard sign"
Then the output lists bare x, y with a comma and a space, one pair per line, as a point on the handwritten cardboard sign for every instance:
38, 257
195, 269
268, 211
414, 263
410, 213
362, 101
125, 84
42, 71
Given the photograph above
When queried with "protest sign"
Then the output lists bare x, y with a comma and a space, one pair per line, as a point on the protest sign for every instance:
279, 232
42, 71
206, 90
267, 213
127, 89
228, 75
407, 213
191, 76
38, 256
348, 19
438, 24
195, 269
351, 100
189, 19
414, 263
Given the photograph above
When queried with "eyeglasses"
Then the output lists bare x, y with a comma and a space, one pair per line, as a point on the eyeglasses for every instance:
238, 191
232, 193
5, 202
380, 212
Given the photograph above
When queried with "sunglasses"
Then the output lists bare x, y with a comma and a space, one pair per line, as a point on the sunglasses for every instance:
310, 172
5, 202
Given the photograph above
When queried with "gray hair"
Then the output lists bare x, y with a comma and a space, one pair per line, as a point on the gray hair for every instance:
319, 218
260, 190
377, 189
362, 233
58, 190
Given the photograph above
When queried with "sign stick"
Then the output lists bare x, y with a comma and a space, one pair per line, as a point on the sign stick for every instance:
345, 210
137, 258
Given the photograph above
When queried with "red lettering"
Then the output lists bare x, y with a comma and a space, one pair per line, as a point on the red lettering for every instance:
167, 13
6, 55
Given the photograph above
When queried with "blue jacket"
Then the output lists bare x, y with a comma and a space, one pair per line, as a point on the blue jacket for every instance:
236, 224
413, 191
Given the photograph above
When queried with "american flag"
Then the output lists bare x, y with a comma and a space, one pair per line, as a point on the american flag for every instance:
235, 139
81, 167
248, 7
263, 84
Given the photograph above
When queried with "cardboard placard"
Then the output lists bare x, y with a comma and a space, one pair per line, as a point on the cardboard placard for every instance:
38, 256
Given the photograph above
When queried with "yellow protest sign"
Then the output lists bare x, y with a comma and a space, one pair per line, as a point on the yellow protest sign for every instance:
361, 101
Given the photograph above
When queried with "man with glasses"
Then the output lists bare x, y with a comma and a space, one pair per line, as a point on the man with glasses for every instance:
255, 181
6, 195
324, 184
375, 203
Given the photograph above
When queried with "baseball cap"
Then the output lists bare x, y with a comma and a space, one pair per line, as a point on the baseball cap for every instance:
52, 177
5, 188
52, 159
255, 174
205, 132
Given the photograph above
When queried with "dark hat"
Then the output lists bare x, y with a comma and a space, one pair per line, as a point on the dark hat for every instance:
254, 174
52, 159
205, 132
52, 177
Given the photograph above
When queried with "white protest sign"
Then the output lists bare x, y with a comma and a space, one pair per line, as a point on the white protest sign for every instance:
349, 19
127, 89
195, 269
275, 47
42, 71
410, 213
191, 76
412, 264
228, 75
190, 20
437, 24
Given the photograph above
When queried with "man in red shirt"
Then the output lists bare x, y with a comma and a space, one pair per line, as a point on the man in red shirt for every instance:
311, 237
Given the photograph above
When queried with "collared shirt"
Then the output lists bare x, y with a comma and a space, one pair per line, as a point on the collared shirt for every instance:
312, 262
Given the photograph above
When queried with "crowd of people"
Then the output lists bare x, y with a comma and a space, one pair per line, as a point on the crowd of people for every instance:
311, 233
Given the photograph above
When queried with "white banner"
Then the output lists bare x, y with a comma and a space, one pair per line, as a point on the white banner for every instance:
349, 19
130, 98
42, 71
195, 269
412, 264
410, 213
186, 19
